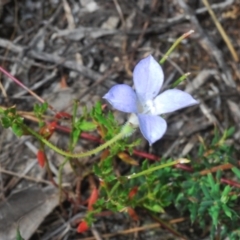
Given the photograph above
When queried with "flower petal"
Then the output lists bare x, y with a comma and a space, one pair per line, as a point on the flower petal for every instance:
122, 97
148, 79
152, 127
172, 100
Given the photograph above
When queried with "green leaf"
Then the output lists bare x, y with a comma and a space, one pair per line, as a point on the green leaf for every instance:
230, 132
18, 235
216, 191
87, 126
97, 170
218, 175
193, 189
211, 180
17, 130
157, 189
202, 209
236, 171
214, 213
44, 106
109, 178
216, 137
6, 122
225, 197
154, 207
151, 177
40, 109
205, 191
201, 150
75, 135
98, 108
145, 165
193, 211
227, 210
106, 166
11, 111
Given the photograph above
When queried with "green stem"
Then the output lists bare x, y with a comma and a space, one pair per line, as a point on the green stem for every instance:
145, 172
73, 143
175, 44
60, 171
181, 79
71, 147
126, 130
114, 188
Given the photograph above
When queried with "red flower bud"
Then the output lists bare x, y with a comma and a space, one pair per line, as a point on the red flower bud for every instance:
93, 198
47, 130
133, 192
41, 157
82, 227
132, 214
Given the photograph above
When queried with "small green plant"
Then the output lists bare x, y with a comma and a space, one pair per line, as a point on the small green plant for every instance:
200, 191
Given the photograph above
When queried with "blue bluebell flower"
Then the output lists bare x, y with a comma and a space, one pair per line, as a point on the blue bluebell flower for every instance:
144, 103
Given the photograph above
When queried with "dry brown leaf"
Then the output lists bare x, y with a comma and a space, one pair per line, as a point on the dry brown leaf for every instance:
26, 209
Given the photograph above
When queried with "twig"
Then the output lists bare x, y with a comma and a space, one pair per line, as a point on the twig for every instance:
68, 14
96, 234
24, 176
120, 13
223, 167
137, 229
221, 31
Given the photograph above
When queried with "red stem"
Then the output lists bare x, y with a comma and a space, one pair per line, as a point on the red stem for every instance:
23, 86
184, 167
230, 182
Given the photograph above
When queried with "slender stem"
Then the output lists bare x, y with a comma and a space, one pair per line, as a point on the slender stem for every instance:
175, 44
145, 172
60, 178
71, 147
24, 87
73, 143
50, 176
179, 80
126, 130
114, 188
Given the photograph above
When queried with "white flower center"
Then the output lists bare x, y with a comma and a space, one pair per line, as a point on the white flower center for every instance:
149, 107
133, 119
